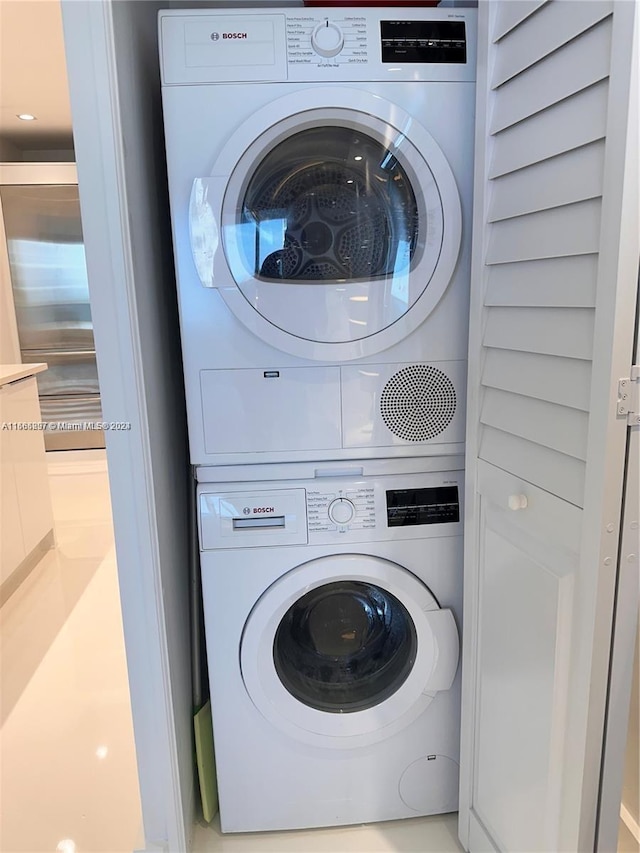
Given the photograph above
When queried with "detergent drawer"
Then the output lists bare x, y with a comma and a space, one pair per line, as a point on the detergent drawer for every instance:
246, 519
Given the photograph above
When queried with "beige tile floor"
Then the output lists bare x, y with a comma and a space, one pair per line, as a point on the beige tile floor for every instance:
68, 776
68, 780
416, 835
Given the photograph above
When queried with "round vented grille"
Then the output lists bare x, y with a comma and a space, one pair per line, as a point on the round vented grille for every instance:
418, 402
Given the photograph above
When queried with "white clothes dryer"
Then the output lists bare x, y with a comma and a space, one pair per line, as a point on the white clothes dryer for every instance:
333, 605
320, 175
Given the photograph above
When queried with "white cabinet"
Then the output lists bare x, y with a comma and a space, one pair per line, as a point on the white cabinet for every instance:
524, 585
11, 542
554, 294
26, 515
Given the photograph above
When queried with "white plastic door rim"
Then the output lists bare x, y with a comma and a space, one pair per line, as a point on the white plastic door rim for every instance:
346, 650
340, 224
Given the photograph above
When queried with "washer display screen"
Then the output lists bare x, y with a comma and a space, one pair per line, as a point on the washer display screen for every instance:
345, 646
438, 505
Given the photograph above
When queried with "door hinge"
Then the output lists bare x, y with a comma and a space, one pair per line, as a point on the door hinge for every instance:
629, 396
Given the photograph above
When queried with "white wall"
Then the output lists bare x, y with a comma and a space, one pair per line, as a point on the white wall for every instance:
115, 97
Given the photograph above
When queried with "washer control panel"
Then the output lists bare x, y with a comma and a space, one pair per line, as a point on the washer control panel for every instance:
327, 509
324, 41
341, 508
409, 506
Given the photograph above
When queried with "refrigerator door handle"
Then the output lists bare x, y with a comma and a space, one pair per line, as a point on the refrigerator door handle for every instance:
56, 353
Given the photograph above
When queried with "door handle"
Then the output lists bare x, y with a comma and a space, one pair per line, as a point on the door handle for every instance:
517, 502
446, 650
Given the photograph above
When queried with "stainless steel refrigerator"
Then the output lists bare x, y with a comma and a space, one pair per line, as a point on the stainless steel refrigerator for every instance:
45, 263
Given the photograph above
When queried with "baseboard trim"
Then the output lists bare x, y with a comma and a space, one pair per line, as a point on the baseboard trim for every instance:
630, 822
24, 569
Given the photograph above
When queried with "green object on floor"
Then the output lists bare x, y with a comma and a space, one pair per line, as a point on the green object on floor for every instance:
203, 727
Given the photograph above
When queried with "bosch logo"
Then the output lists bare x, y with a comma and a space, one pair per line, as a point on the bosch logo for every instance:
262, 509
246, 510
216, 36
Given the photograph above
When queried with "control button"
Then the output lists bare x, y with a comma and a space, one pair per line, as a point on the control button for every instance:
341, 511
327, 39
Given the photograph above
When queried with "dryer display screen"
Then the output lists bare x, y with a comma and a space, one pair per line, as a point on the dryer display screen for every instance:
423, 41
439, 505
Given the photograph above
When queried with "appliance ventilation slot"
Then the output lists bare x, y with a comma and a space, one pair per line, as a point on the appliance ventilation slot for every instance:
418, 402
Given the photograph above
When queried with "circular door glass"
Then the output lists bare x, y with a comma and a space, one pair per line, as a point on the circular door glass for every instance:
329, 204
345, 646
332, 226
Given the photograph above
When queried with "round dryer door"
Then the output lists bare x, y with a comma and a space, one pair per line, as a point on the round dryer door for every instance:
340, 224
346, 650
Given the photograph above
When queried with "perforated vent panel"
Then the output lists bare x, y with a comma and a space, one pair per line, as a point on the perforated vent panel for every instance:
418, 402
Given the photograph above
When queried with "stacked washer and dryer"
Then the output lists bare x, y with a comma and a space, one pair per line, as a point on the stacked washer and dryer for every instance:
320, 168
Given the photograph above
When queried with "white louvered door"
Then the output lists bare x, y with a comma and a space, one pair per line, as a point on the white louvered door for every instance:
554, 288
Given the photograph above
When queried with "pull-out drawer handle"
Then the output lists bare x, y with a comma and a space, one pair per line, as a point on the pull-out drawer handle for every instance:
263, 522
518, 502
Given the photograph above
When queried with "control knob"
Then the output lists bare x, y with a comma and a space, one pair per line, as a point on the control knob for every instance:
327, 39
341, 511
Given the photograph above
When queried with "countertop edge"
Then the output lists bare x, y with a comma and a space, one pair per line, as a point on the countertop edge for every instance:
14, 372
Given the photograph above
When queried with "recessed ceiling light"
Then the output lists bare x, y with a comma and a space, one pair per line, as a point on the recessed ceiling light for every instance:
26, 117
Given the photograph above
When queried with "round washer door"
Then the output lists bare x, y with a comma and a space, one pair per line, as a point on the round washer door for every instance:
346, 650
340, 223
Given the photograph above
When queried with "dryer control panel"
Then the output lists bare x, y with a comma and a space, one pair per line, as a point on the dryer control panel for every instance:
346, 39
318, 45
336, 40
330, 509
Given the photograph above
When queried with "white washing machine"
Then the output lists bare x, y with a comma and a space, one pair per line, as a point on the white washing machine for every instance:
333, 605
320, 174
